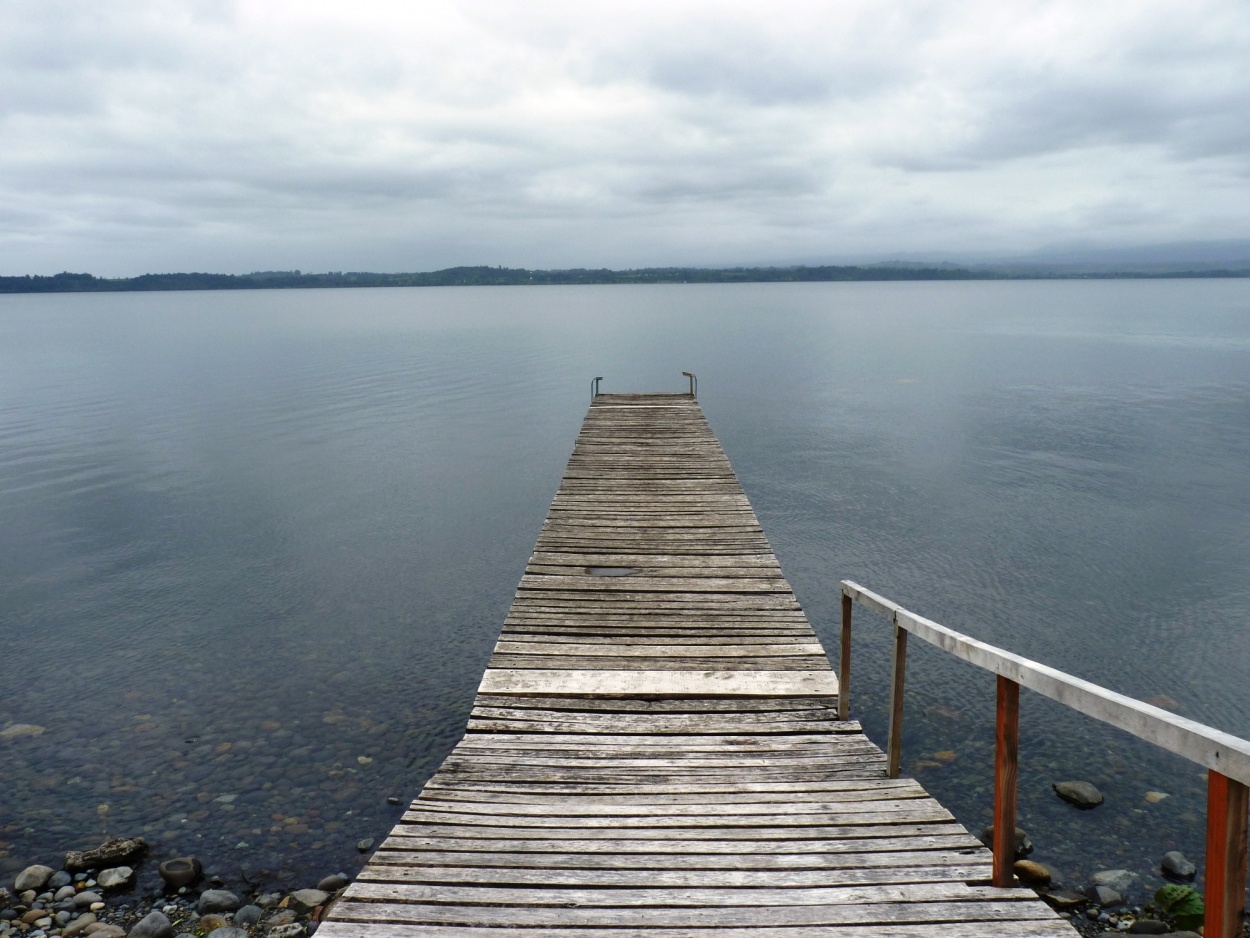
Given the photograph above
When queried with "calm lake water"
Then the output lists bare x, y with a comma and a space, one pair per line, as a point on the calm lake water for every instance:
255, 547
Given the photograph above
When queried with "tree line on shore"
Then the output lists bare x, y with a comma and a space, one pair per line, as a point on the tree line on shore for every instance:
516, 276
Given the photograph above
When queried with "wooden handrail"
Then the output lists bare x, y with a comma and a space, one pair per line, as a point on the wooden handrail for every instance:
1226, 756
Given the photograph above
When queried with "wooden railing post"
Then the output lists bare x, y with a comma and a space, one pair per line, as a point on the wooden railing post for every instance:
894, 747
1227, 802
844, 663
1006, 761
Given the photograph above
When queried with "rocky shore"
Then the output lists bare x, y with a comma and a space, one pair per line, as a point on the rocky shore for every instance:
95, 895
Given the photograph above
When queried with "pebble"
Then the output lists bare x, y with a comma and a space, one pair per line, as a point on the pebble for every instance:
33, 878
86, 898
364, 846
230, 932
1176, 865
109, 931
1081, 794
59, 878
65, 892
1149, 926
212, 922
1154, 797
292, 930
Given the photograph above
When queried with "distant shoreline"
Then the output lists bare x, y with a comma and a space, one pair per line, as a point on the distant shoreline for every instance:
506, 276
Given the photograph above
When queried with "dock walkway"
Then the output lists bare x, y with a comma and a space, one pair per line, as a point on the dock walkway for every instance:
655, 749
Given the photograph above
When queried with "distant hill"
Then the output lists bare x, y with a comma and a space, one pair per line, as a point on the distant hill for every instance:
512, 276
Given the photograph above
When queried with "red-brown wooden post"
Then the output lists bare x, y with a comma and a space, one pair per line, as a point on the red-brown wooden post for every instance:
894, 743
1006, 761
844, 662
1227, 802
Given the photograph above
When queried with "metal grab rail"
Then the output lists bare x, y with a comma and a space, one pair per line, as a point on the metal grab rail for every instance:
694, 383
594, 387
1226, 757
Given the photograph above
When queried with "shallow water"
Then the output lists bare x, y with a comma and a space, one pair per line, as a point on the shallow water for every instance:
256, 547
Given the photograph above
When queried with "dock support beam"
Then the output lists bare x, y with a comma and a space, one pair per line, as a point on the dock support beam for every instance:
1006, 762
844, 663
1227, 802
894, 746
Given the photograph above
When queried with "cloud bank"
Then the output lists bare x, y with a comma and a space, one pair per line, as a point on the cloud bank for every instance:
149, 135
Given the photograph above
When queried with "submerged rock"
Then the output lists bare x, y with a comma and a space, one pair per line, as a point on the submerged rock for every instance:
1081, 794
1176, 865
1024, 846
1119, 880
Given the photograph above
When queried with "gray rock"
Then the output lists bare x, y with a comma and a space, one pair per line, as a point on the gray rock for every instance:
108, 931
1024, 846
1185, 934
1105, 896
1175, 865
33, 877
217, 900
153, 925
229, 932
267, 899
1119, 880
333, 883
86, 897
59, 878
116, 877
248, 915
1081, 794
293, 930
180, 871
1149, 926
65, 892
364, 846
305, 900
62, 918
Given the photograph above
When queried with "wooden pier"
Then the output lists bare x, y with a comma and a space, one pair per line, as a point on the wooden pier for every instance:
655, 747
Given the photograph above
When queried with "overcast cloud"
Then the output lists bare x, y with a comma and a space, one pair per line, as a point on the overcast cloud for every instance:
159, 135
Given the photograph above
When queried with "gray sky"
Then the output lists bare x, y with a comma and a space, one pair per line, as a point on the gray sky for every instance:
158, 135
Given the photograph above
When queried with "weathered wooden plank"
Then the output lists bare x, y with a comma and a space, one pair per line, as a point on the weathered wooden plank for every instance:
661, 683
1001, 929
